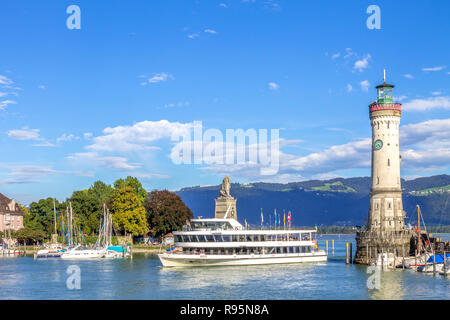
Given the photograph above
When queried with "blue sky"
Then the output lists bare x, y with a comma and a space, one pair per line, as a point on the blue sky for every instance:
101, 102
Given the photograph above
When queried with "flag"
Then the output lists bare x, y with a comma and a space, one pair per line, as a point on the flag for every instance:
316, 227
245, 222
289, 219
262, 218
284, 219
275, 211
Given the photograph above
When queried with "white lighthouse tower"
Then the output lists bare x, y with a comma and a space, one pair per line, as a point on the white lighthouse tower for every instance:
384, 231
386, 207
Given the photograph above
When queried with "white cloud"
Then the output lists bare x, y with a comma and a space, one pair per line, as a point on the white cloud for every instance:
159, 77
178, 104
434, 68
273, 86
363, 63
29, 134
112, 162
365, 85
41, 87
5, 81
349, 53
5, 103
425, 133
193, 35
138, 136
87, 135
335, 56
400, 98
210, 31
223, 5
24, 134
427, 104
436, 93
408, 76
67, 137
349, 88
30, 173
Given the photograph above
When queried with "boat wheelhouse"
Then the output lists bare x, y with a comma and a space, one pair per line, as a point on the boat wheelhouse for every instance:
225, 242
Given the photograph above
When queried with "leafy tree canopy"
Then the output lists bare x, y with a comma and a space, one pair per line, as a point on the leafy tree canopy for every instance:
134, 183
166, 212
128, 212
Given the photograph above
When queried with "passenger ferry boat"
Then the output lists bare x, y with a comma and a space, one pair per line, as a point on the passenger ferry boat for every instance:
225, 242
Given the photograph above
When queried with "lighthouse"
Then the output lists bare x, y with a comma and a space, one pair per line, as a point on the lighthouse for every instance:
386, 206
384, 232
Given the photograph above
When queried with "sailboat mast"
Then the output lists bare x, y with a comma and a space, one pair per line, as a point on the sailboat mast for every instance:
418, 219
68, 225
54, 214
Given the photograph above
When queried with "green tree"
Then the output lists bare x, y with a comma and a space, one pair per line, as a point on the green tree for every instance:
166, 212
104, 192
29, 235
86, 209
40, 216
128, 212
134, 183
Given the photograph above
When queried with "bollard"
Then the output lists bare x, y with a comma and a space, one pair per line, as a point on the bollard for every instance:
332, 247
346, 252
403, 255
415, 259
445, 271
434, 263
351, 252
327, 246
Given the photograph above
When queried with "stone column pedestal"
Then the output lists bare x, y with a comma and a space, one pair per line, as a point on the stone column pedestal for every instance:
222, 205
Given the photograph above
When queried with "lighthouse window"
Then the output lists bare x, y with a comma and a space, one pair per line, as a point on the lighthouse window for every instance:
389, 162
378, 180
388, 125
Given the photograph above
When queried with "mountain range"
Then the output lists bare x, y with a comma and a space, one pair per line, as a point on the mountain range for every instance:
339, 201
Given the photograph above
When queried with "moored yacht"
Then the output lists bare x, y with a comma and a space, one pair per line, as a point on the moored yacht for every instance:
225, 242
80, 253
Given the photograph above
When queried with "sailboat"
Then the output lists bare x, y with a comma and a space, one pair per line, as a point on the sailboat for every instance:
112, 251
80, 252
52, 250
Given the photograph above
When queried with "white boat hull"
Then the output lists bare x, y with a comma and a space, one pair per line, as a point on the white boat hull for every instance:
190, 260
94, 254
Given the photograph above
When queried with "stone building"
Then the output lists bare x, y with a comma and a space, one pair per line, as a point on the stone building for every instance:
11, 216
385, 231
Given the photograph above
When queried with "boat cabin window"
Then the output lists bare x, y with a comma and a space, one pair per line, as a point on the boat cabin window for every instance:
211, 225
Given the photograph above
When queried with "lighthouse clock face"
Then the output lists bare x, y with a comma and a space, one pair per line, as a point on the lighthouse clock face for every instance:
378, 145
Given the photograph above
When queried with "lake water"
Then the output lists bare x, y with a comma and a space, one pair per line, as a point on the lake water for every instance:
143, 278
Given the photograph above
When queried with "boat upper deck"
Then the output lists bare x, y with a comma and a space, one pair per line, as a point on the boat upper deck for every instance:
233, 227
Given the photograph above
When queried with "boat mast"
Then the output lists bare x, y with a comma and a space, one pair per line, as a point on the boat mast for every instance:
71, 222
418, 219
68, 226
54, 214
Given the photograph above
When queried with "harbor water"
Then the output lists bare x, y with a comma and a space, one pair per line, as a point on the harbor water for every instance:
143, 278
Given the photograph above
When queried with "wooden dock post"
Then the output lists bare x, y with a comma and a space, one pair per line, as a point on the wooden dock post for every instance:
346, 252
327, 246
415, 259
332, 247
351, 253
403, 255
434, 263
445, 272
